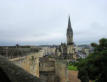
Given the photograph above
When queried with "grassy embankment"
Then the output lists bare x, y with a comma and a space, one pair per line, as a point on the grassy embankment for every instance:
72, 67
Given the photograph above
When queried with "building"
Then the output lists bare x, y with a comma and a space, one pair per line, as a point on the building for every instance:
67, 50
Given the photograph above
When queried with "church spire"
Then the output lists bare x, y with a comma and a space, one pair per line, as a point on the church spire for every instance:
69, 22
69, 32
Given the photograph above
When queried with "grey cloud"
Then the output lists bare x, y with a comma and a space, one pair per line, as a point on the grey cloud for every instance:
30, 21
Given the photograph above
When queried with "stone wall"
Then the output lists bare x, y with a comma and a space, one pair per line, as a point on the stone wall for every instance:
17, 51
47, 76
73, 76
47, 69
29, 63
46, 65
56, 71
61, 71
12, 72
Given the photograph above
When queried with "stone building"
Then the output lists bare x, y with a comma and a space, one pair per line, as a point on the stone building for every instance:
67, 51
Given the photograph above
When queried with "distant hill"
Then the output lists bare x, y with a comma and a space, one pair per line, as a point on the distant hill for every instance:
84, 46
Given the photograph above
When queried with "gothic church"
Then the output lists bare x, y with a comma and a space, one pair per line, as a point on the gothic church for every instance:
67, 51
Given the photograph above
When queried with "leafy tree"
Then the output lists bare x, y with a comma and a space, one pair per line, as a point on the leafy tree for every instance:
94, 67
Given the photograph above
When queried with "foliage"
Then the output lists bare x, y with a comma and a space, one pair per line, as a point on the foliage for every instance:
94, 67
71, 67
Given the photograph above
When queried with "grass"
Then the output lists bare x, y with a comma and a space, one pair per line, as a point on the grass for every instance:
71, 67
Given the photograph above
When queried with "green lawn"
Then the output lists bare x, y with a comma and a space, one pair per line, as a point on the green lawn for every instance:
71, 67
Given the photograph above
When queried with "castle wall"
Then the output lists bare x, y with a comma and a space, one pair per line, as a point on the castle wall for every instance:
30, 63
47, 66
73, 76
47, 77
47, 69
61, 71
12, 73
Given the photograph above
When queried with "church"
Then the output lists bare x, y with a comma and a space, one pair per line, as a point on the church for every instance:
67, 50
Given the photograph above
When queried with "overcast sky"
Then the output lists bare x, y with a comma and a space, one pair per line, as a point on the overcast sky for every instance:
37, 22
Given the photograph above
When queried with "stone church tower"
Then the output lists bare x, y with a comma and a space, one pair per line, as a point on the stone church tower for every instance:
70, 44
67, 51
69, 33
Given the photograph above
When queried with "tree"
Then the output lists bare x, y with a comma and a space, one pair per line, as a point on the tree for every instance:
94, 67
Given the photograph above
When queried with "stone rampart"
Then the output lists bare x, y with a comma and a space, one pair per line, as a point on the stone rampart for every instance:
61, 71
47, 69
73, 76
30, 63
